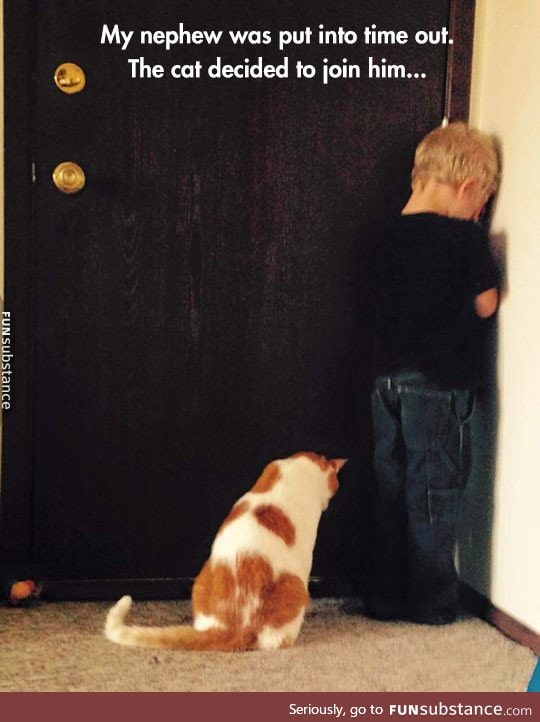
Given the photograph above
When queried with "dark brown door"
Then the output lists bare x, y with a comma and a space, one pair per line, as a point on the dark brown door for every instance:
201, 306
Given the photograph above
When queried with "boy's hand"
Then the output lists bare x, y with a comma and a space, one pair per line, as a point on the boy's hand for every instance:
485, 304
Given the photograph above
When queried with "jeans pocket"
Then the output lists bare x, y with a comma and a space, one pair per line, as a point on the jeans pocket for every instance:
425, 415
465, 404
449, 457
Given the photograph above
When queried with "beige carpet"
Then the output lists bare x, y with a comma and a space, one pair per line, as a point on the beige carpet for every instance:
59, 647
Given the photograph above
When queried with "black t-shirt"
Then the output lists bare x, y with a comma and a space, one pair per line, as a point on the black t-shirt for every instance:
428, 270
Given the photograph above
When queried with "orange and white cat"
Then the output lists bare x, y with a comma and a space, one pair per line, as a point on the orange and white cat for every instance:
252, 592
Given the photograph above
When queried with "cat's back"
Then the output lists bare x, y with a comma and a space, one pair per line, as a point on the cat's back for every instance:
256, 527
266, 521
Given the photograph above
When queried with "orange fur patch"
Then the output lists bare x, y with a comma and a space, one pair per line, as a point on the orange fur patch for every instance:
212, 590
287, 599
277, 522
333, 483
267, 479
281, 600
254, 576
202, 589
236, 511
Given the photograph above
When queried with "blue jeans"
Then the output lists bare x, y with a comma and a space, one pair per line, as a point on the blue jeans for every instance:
421, 464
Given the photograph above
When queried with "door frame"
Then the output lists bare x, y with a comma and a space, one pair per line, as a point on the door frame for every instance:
16, 489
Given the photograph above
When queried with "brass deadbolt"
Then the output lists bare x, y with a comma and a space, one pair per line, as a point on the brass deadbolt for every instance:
69, 177
69, 78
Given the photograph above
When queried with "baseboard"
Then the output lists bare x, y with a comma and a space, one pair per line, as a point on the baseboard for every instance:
174, 588
482, 607
86, 590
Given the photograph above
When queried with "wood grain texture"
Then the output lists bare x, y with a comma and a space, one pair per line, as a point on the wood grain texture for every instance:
202, 306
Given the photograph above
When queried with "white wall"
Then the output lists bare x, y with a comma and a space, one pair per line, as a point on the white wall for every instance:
505, 101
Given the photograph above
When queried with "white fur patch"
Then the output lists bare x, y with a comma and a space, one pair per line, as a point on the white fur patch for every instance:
272, 638
249, 608
202, 622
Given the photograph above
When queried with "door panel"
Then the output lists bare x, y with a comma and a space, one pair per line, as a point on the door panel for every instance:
201, 307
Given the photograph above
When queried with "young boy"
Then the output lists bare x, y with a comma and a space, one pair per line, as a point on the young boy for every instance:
436, 284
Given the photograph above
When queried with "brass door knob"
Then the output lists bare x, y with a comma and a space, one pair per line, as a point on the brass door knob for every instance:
69, 78
69, 177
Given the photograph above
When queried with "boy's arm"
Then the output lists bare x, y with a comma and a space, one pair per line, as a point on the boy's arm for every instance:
485, 304
485, 275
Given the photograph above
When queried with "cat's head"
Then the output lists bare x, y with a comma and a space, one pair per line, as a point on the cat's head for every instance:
324, 472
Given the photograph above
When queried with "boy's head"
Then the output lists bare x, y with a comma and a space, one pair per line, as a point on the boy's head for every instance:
461, 158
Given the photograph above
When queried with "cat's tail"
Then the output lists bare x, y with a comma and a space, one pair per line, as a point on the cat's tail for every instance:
178, 637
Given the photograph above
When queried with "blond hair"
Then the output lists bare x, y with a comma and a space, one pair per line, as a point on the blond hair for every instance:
454, 153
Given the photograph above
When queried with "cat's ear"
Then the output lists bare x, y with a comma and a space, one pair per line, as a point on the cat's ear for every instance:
338, 463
